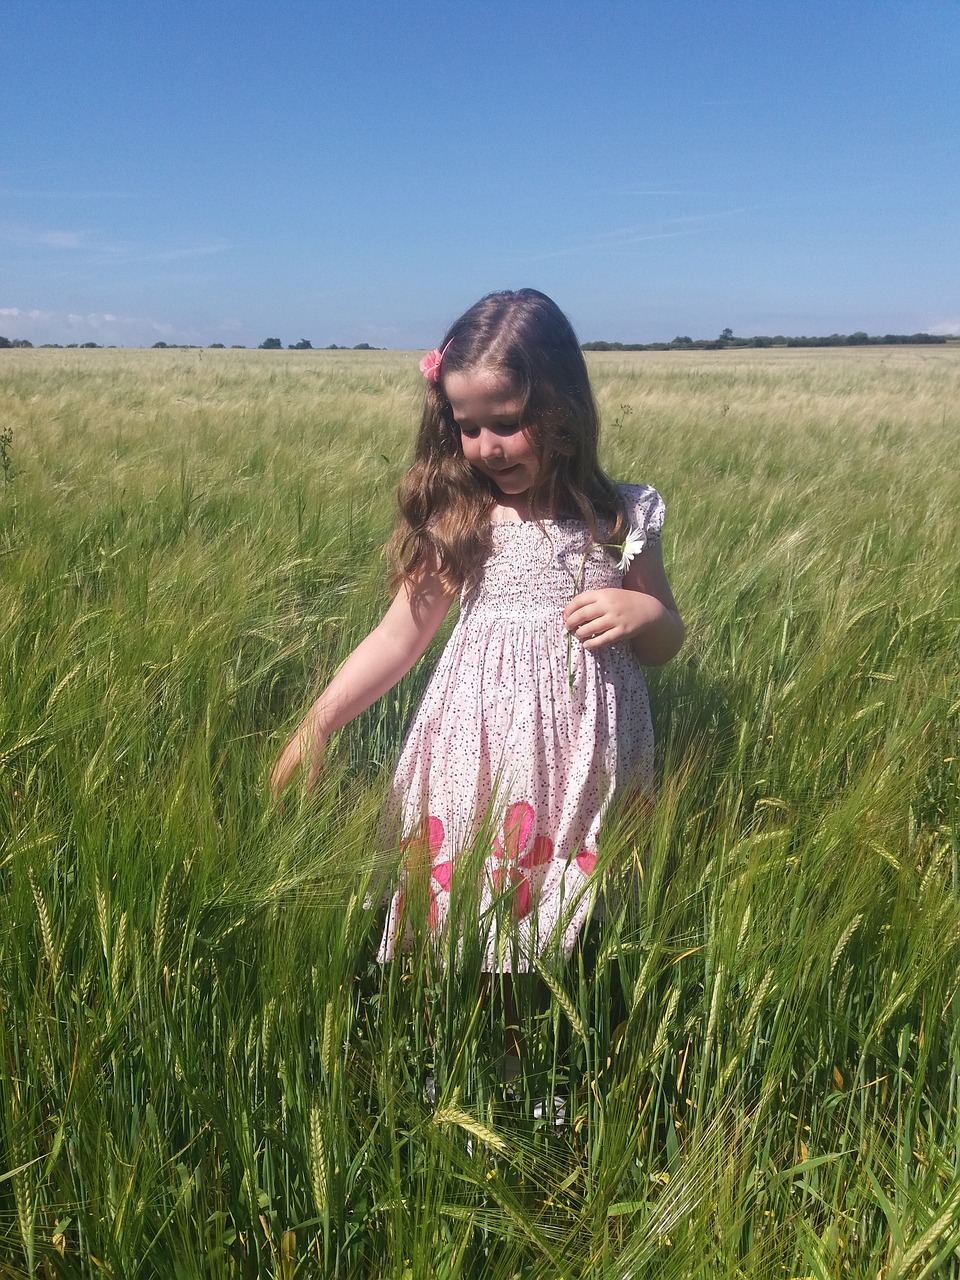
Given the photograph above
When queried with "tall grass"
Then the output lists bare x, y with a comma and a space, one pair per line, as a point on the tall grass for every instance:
203, 1072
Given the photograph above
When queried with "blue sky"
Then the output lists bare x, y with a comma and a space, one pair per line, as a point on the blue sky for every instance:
224, 172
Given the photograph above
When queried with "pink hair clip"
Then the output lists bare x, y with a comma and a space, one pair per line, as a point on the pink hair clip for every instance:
430, 364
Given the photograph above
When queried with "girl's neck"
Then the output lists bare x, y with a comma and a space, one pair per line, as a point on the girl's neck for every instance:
511, 510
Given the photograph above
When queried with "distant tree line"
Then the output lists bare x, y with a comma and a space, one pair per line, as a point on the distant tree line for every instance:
268, 344
727, 340
52, 346
274, 344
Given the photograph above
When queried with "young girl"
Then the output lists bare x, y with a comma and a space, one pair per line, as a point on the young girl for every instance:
537, 711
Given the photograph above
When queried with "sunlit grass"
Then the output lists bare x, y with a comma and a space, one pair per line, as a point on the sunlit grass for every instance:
203, 1072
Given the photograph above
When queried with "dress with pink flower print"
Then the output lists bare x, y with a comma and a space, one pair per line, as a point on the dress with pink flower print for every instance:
508, 768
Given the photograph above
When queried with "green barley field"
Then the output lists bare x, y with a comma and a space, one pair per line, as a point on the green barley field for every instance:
204, 1072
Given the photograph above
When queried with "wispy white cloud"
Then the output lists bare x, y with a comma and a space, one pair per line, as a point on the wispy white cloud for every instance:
114, 326
712, 216
24, 194
674, 192
619, 238
106, 327
15, 313
945, 328
96, 249
34, 238
61, 239
601, 243
177, 255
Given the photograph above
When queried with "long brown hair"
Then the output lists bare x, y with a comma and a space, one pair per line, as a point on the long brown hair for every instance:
445, 504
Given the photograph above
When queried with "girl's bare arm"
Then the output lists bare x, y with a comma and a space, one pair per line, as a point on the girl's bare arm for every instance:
374, 666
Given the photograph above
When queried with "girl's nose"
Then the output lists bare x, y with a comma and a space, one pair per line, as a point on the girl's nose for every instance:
490, 445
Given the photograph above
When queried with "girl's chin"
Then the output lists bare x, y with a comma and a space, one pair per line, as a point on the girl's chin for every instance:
511, 481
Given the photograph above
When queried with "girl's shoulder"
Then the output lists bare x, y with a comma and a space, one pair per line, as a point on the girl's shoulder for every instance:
644, 507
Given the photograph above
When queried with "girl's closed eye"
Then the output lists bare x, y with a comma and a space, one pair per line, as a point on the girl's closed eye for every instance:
501, 429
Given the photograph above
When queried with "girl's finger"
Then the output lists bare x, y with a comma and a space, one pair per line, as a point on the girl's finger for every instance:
601, 638
316, 764
581, 601
278, 780
285, 767
576, 617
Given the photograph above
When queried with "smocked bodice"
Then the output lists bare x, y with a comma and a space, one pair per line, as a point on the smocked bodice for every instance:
535, 571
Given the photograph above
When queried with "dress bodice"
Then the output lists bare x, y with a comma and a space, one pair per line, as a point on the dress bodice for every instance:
535, 570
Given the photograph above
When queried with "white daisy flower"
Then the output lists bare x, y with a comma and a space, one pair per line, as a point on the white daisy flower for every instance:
635, 542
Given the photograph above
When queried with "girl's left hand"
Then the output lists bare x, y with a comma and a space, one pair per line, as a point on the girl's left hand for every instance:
604, 617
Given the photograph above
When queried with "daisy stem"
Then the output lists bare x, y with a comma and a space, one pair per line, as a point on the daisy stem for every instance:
577, 577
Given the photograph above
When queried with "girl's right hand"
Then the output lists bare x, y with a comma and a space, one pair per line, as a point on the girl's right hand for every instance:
374, 667
306, 742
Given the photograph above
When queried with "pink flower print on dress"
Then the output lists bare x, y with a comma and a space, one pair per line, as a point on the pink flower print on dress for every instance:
517, 825
513, 857
442, 872
423, 844
586, 861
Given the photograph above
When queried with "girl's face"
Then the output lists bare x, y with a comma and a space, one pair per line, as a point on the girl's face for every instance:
486, 408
